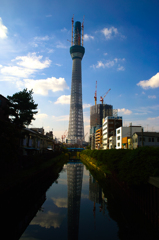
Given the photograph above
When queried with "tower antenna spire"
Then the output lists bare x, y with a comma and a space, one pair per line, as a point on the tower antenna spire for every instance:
72, 30
83, 31
95, 95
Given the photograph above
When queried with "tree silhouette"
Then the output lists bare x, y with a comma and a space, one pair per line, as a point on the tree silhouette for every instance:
22, 107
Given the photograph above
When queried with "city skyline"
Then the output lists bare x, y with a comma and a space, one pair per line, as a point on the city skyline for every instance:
121, 42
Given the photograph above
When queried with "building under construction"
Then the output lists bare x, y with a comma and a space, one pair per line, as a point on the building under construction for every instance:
97, 113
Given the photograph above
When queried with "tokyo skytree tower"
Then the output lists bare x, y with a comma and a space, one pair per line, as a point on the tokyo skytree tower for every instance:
76, 128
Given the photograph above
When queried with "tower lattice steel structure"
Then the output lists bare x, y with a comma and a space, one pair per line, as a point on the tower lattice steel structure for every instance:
76, 129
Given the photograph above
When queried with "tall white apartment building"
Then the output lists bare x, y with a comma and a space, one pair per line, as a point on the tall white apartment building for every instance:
123, 132
109, 125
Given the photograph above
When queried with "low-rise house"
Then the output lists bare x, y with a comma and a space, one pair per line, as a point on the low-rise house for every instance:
123, 134
3, 108
34, 142
150, 139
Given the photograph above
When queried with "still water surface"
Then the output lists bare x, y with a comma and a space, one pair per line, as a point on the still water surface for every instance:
76, 207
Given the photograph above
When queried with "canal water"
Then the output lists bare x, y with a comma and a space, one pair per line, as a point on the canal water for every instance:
77, 207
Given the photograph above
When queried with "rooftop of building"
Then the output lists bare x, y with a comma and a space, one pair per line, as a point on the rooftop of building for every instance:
147, 134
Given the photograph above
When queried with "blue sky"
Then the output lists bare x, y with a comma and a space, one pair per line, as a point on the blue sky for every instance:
121, 41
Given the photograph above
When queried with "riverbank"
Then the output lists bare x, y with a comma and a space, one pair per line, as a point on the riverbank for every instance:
23, 192
134, 167
23, 177
130, 171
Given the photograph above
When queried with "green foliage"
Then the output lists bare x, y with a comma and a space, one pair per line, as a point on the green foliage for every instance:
22, 107
131, 166
64, 149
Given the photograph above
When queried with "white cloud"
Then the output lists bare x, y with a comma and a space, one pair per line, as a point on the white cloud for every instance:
146, 110
3, 30
124, 111
156, 119
57, 64
151, 83
119, 59
17, 71
86, 119
100, 64
63, 30
64, 99
27, 65
121, 68
109, 33
42, 86
48, 219
50, 50
152, 96
61, 118
109, 64
105, 54
32, 61
41, 116
84, 196
45, 38
86, 106
61, 45
35, 44
60, 202
49, 15
88, 37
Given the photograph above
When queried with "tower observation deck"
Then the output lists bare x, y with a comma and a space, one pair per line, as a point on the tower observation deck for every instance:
76, 128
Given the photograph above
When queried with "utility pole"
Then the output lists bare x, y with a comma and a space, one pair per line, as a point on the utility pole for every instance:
131, 135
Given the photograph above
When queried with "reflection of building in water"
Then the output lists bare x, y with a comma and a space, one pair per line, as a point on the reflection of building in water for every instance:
95, 192
96, 195
74, 179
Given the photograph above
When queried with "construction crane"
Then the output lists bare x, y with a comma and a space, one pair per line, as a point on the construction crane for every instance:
64, 135
95, 95
102, 98
84, 136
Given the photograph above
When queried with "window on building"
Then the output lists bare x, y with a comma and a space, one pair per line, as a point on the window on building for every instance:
118, 137
149, 139
152, 139
118, 131
158, 139
118, 144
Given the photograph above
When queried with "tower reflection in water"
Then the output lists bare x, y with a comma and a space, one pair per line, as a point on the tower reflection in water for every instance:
74, 181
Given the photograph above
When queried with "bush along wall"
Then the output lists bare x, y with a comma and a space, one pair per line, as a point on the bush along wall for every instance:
134, 167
